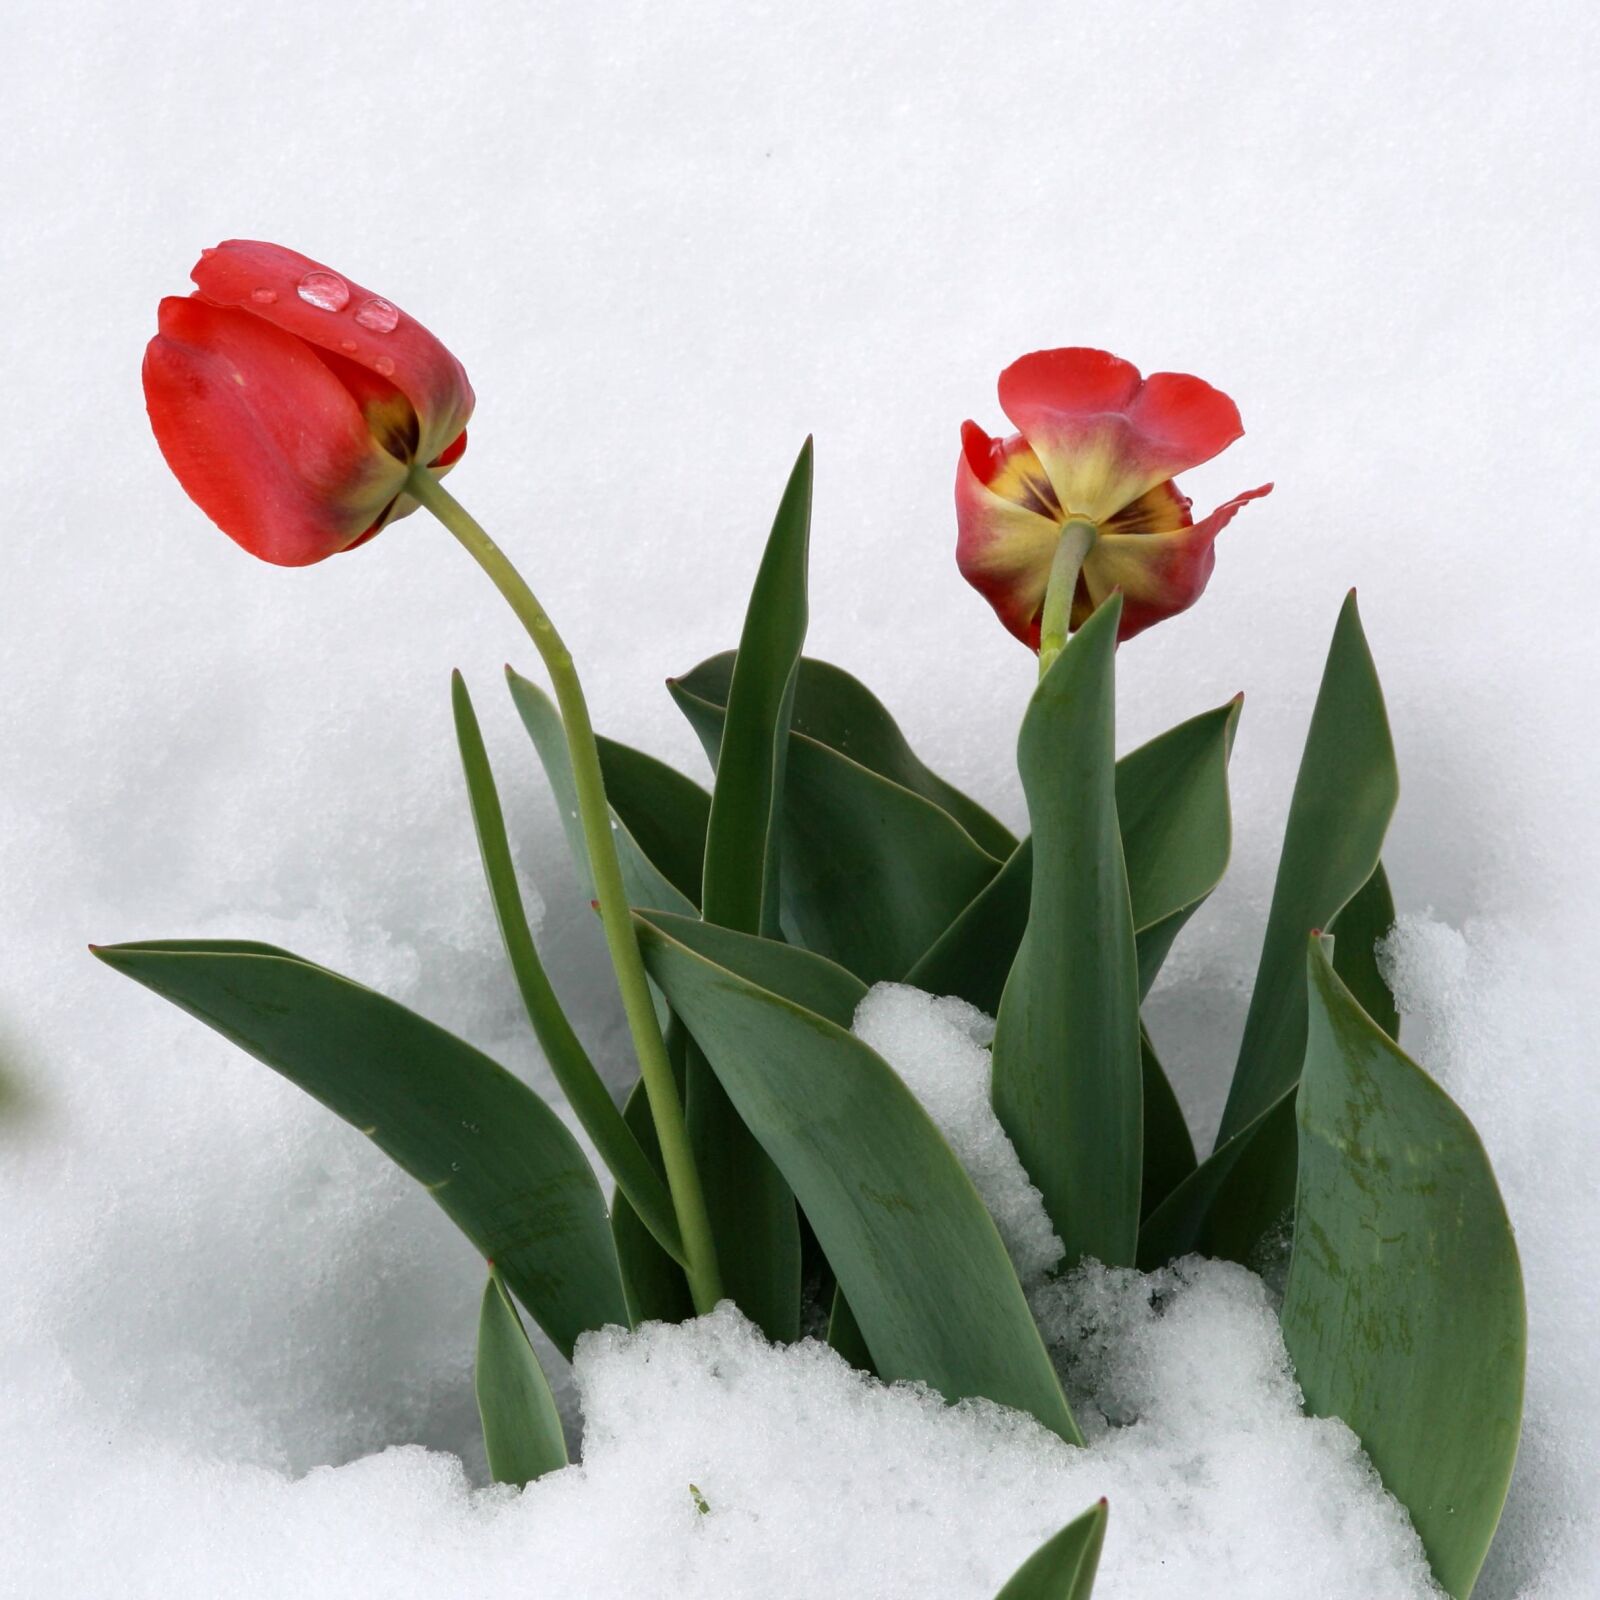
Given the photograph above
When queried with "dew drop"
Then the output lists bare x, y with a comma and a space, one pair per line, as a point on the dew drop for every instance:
264, 297
348, 345
384, 365
378, 315
327, 291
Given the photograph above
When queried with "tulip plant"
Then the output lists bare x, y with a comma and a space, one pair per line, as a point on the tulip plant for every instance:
768, 1155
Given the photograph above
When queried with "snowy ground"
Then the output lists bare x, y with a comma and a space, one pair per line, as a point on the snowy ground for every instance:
668, 242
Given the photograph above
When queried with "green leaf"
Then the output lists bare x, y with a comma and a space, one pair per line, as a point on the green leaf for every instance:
1063, 1567
871, 873
914, 1250
582, 1085
839, 711
845, 1335
753, 1217
1068, 1072
496, 1158
1343, 798
1357, 931
1168, 1145
1404, 1310
646, 884
1177, 834
521, 1426
655, 1286
665, 812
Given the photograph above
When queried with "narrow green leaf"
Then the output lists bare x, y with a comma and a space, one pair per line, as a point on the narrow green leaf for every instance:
752, 1212
1356, 932
1068, 1072
839, 711
1177, 834
665, 812
655, 1285
1168, 1145
521, 1426
569, 1062
914, 1250
495, 1157
1063, 1567
1404, 1310
845, 1335
646, 884
1343, 798
871, 872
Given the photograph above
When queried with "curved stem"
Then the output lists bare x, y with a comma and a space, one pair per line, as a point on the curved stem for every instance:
1055, 621
655, 1068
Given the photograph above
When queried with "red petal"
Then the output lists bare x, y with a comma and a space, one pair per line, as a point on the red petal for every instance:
262, 435
264, 280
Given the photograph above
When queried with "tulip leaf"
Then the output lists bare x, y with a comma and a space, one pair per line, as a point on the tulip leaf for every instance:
665, 812
495, 1157
1177, 834
840, 712
872, 872
569, 1062
1168, 1144
1343, 799
913, 1247
1064, 1566
645, 883
521, 1425
1404, 1310
655, 1285
1357, 931
1068, 1071
752, 1212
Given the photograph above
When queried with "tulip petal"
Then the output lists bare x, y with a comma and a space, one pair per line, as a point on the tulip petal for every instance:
1003, 549
264, 280
1106, 437
262, 435
1159, 574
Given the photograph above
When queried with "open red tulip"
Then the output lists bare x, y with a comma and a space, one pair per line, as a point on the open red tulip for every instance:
1099, 445
292, 404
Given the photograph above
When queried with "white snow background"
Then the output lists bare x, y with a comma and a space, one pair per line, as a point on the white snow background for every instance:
667, 242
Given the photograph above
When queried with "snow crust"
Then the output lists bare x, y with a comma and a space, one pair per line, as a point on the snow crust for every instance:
667, 243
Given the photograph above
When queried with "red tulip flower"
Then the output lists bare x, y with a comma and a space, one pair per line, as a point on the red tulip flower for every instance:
292, 405
1094, 457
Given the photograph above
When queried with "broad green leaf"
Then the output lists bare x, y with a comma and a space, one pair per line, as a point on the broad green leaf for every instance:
1068, 1072
1235, 1198
665, 812
872, 873
839, 711
1063, 1567
752, 1212
521, 1426
1168, 1145
1356, 932
569, 1062
495, 1157
915, 1252
1343, 798
646, 884
1404, 1310
1177, 834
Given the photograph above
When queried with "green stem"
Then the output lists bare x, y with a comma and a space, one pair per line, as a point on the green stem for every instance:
1077, 540
660, 1086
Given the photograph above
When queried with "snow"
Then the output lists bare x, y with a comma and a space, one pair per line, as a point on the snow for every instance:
667, 243
939, 1047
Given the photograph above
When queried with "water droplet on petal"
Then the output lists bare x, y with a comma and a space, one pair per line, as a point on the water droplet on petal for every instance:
348, 345
385, 365
327, 291
378, 315
207, 251
264, 297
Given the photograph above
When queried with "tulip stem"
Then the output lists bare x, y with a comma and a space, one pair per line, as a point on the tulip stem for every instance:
655, 1067
1055, 621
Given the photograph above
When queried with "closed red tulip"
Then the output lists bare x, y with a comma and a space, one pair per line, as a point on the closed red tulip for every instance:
1096, 445
292, 404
